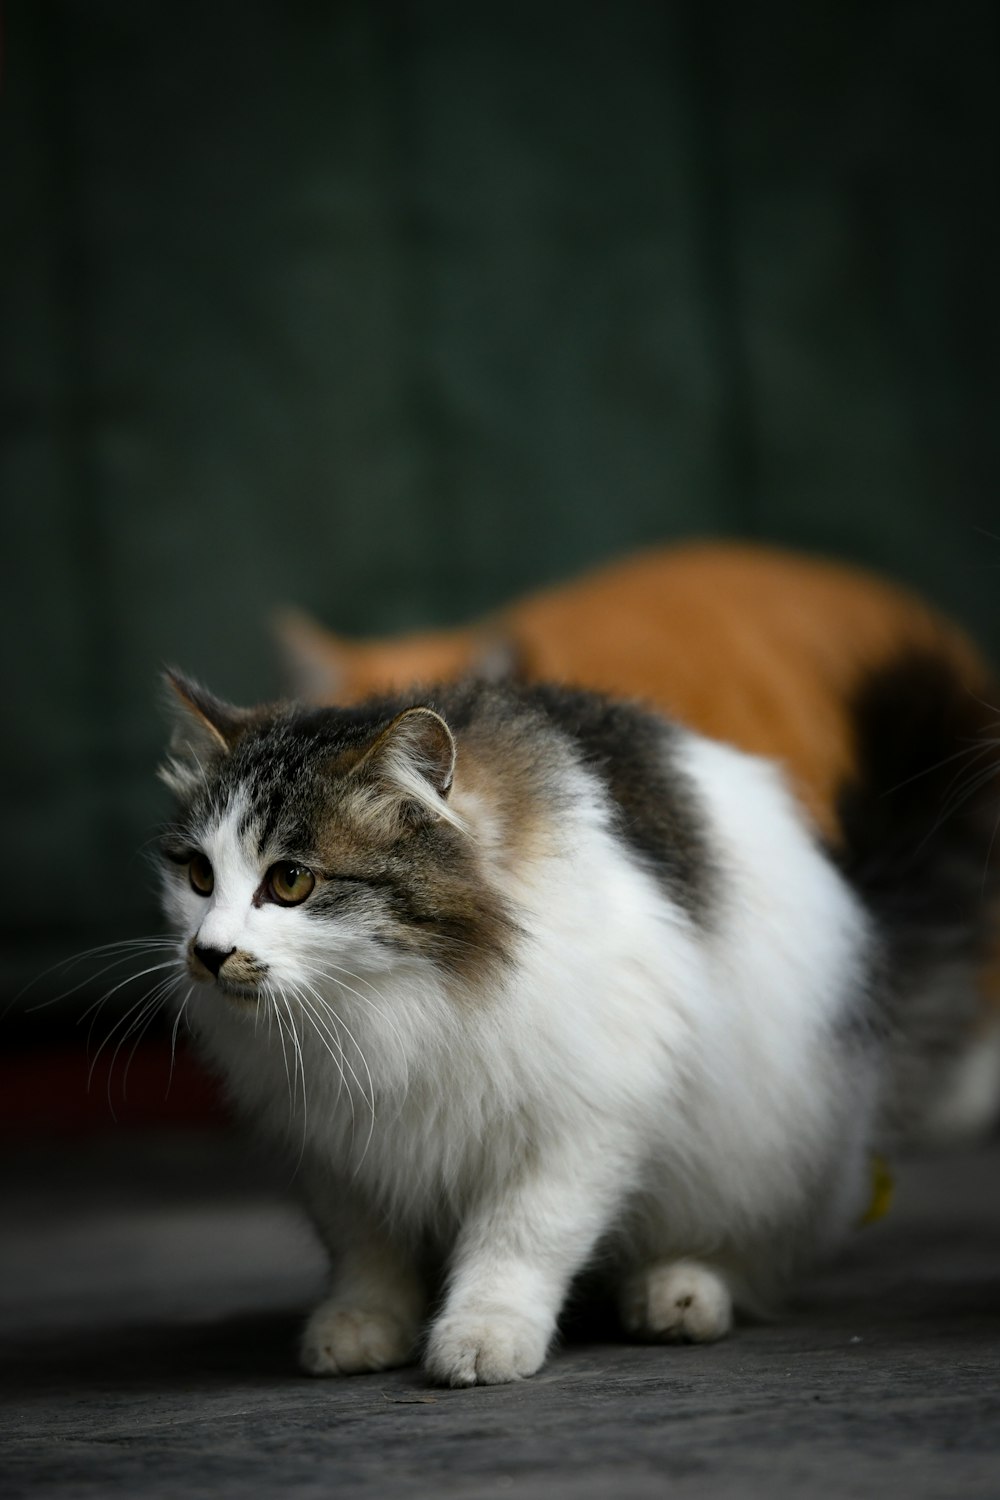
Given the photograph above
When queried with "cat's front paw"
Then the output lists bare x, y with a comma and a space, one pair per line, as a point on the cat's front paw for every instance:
678, 1302
486, 1348
343, 1340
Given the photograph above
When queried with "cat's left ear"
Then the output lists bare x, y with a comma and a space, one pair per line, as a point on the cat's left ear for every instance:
414, 761
204, 729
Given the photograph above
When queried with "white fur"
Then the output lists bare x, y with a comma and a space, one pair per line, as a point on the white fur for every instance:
684, 1103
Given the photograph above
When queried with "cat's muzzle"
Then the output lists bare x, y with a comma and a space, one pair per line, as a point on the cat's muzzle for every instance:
236, 973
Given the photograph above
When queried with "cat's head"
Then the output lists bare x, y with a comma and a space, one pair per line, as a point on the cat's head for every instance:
314, 846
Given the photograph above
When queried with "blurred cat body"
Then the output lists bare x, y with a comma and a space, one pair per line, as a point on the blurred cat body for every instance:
751, 645
529, 981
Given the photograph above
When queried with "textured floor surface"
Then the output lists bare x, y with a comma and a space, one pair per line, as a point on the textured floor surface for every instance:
151, 1288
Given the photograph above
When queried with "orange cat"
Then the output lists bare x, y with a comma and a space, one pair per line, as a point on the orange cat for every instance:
763, 648
746, 644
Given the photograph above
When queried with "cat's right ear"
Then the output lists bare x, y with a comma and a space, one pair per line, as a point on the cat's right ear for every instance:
204, 729
409, 769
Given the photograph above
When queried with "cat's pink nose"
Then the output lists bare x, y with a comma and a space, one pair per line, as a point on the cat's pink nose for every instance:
213, 958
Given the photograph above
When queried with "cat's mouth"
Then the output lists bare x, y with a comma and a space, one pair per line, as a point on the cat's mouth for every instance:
237, 989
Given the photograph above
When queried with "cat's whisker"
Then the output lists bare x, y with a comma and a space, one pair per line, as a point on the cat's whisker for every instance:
281, 1037
125, 1020
969, 789
330, 966
152, 940
334, 975
173, 1037
281, 1001
158, 997
102, 1001
147, 1008
335, 1056
369, 1098
342, 1082
971, 749
325, 1009
989, 853
979, 778
324, 1005
129, 979
322, 1026
131, 948
99, 1004
300, 1065
973, 757
384, 1019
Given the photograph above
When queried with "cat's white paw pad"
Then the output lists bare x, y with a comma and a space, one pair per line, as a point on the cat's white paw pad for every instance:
678, 1302
343, 1340
488, 1349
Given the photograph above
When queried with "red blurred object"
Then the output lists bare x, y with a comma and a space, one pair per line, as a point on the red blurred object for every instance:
46, 1093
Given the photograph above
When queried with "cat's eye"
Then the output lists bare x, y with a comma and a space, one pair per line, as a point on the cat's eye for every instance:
201, 875
288, 883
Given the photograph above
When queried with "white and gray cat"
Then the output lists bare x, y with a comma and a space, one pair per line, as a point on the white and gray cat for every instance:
534, 982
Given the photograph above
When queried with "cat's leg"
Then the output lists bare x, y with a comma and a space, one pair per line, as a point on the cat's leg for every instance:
371, 1319
512, 1266
676, 1301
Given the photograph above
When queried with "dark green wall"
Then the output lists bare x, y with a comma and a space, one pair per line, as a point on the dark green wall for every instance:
393, 310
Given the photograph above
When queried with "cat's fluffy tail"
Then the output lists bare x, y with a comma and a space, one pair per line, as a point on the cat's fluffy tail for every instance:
919, 819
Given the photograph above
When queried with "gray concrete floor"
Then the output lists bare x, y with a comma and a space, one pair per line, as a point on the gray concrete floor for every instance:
151, 1288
